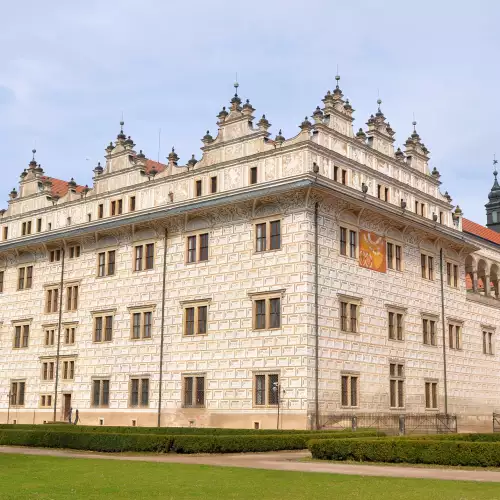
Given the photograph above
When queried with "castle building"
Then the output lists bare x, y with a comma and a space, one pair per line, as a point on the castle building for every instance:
315, 275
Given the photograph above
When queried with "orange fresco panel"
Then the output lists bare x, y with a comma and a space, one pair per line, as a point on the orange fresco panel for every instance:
372, 250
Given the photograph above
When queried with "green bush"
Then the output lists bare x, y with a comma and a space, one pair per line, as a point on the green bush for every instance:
413, 451
485, 438
87, 440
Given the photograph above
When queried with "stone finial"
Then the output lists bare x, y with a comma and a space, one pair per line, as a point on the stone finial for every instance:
435, 173
13, 194
173, 158
248, 109
98, 170
207, 138
279, 139
306, 124
447, 196
400, 156
360, 135
121, 135
32, 163
263, 123
222, 114
414, 142
348, 108
458, 211
129, 142
236, 101
110, 148
140, 155
72, 184
328, 100
317, 115
192, 162
24, 173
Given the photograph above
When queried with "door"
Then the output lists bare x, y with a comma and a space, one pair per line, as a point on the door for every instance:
67, 406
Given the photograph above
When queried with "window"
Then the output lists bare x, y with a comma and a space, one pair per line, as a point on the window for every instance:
100, 392
194, 391
48, 370
69, 335
139, 392
39, 225
452, 274
131, 204
68, 221
336, 174
386, 194
455, 335
396, 373
45, 400
21, 336
68, 372
394, 256
349, 395
17, 391
144, 257
5, 232
50, 335
429, 331
2, 277
213, 184
55, 255
100, 211
196, 320
74, 252
266, 389
350, 251
26, 228
395, 325
420, 208
268, 236
106, 263
349, 311
253, 175
72, 298
198, 190
25, 278
197, 248
379, 191
487, 342
344, 176
51, 300
103, 328
441, 217
267, 312
427, 266
116, 207
431, 396
142, 324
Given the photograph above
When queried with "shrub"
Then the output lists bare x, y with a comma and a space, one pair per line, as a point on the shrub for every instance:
425, 451
492, 438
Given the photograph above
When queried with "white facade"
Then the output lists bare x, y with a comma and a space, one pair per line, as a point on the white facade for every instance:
324, 179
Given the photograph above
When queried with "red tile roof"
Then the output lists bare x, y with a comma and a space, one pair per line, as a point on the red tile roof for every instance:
59, 187
160, 167
482, 232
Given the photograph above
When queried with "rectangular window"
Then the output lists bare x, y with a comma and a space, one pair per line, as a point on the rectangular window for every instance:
68, 370
268, 236
344, 176
5, 234
21, 336
198, 188
394, 253
396, 374
452, 274
103, 328
196, 320
267, 313
194, 391
2, 278
131, 204
39, 225
139, 392
429, 331
353, 242
253, 175
266, 389
45, 400
69, 335
431, 396
17, 391
72, 298
343, 241
74, 251
100, 211
386, 194
349, 316
51, 300
395, 325
25, 278
55, 255
100, 392
142, 325
116, 207
144, 257
454, 336
336, 174
197, 248
48, 370
349, 390
213, 184
427, 266
50, 335
106, 263
487, 342
26, 228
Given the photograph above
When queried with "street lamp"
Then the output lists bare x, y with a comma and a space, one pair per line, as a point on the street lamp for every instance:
277, 391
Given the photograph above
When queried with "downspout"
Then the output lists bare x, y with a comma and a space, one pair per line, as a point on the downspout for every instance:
444, 333
61, 292
162, 331
316, 316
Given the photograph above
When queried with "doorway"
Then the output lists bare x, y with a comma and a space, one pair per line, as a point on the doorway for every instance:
67, 406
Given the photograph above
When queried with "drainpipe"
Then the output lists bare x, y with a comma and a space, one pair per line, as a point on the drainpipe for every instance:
61, 288
316, 315
444, 333
162, 334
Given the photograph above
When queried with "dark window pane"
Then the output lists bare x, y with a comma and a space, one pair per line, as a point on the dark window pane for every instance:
150, 248
136, 328
260, 314
275, 313
354, 391
200, 391
145, 392
260, 390
108, 334
352, 243
188, 391
275, 235
204, 246
190, 321
148, 324
98, 330
96, 393
343, 241
273, 389
191, 249
260, 237
138, 258
202, 319
105, 393
111, 262
134, 392
345, 394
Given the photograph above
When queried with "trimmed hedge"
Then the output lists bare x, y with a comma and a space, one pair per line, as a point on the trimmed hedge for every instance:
413, 451
483, 438
116, 442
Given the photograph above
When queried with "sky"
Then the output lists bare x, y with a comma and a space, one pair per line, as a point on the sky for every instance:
71, 69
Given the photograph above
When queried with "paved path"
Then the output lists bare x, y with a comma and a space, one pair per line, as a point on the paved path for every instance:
286, 460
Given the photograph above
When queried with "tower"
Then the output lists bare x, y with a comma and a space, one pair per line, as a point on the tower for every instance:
493, 205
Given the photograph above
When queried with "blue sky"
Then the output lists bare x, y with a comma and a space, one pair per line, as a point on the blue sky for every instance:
69, 70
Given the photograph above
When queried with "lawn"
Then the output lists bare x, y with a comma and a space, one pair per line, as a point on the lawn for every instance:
43, 478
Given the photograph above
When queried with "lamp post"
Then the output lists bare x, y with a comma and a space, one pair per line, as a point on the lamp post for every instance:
8, 407
277, 391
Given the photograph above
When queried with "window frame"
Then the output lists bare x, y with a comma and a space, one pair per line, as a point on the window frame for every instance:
268, 235
2, 281
197, 247
253, 175
106, 263
26, 278
144, 258
52, 299
348, 376
349, 231
100, 317
393, 260
48, 370
398, 325
71, 328
194, 377
455, 337
427, 272
45, 401
399, 378
267, 298
132, 204
143, 312
140, 391
349, 302
453, 274
198, 188
267, 401
116, 207
15, 394
50, 335
72, 297
23, 339
68, 369
195, 306
213, 184
427, 320
431, 394
100, 404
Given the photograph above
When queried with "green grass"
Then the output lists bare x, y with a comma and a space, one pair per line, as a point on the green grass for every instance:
51, 478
